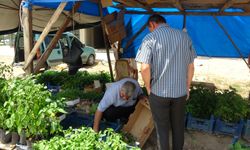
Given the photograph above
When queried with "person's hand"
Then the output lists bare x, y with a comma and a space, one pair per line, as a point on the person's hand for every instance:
148, 90
188, 94
96, 130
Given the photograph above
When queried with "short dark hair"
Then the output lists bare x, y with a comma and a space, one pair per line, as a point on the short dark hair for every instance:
156, 18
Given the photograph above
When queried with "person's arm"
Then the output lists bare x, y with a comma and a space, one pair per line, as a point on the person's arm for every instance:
142, 97
106, 102
190, 75
146, 76
97, 120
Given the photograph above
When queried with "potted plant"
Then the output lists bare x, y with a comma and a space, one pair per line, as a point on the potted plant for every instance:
31, 109
200, 108
230, 111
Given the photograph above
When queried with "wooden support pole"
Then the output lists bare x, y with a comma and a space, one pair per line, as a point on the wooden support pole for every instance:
144, 6
55, 39
45, 32
27, 36
135, 3
135, 35
179, 6
184, 22
231, 40
228, 4
106, 42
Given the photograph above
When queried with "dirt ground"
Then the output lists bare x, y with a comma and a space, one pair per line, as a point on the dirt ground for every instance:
195, 140
223, 72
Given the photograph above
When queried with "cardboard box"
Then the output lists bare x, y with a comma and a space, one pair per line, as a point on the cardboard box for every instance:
140, 123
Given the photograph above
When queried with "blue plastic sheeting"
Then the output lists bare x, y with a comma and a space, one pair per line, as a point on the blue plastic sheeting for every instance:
208, 38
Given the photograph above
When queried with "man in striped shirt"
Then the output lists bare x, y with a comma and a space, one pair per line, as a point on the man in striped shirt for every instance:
167, 70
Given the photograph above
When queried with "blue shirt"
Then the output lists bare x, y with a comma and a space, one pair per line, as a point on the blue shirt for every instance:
169, 52
112, 95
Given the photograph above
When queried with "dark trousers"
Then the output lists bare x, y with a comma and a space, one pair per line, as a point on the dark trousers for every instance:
168, 112
112, 113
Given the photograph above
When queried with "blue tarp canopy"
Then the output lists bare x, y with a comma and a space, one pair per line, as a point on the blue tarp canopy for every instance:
208, 38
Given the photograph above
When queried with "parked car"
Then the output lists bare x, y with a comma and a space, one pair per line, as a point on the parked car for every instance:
69, 49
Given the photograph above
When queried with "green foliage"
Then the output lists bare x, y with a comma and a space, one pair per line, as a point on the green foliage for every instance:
231, 107
92, 96
79, 80
52, 77
84, 139
5, 72
128, 138
225, 104
71, 94
202, 102
68, 94
29, 107
3, 83
93, 108
238, 146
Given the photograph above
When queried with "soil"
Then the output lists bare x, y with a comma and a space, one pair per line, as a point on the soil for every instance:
195, 140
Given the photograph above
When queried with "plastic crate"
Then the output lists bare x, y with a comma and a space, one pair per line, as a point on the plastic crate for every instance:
233, 129
76, 120
53, 88
116, 126
200, 124
246, 130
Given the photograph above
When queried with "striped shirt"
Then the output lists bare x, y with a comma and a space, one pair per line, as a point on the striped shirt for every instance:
169, 52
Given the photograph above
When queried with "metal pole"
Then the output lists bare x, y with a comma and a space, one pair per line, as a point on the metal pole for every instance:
184, 21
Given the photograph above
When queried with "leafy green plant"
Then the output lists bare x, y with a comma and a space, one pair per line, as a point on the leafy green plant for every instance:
224, 104
84, 139
68, 94
79, 80
29, 107
93, 108
231, 107
93, 96
52, 77
71, 94
128, 138
238, 146
202, 102
5, 73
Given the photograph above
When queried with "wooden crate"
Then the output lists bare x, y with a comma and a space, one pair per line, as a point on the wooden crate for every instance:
140, 123
114, 27
122, 69
106, 3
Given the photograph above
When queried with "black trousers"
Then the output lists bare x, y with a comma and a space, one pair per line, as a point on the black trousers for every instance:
113, 113
168, 112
